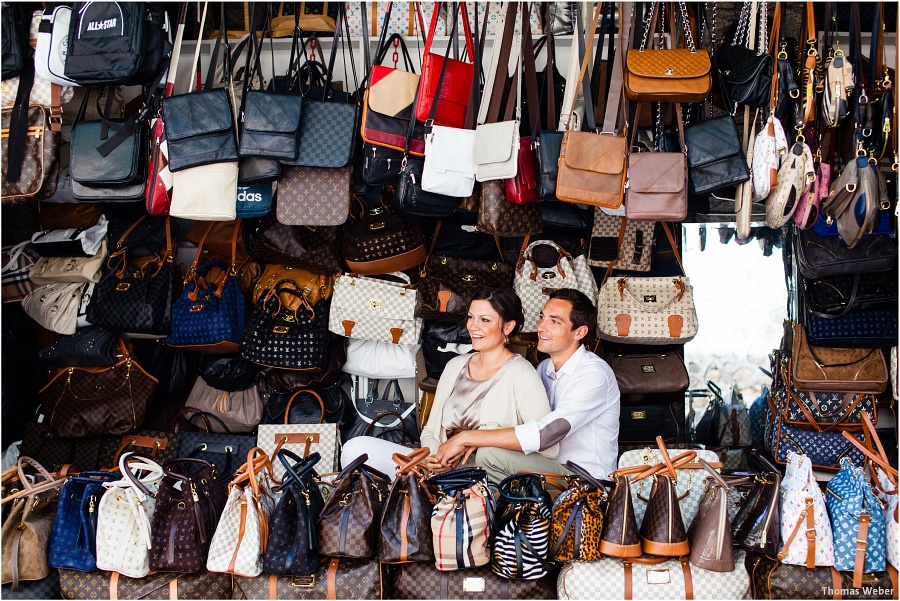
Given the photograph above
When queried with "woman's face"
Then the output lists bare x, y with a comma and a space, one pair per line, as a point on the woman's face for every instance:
487, 329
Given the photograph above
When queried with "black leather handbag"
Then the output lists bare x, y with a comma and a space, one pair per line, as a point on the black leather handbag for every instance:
291, 549
136, 298
827, 256
742, 75
381, 165
546, 153
228, 372
839, 295
91, 347
109, 157
277, 336
329, 404
716, 159
389, 416
411, 198
438, 335
199, 125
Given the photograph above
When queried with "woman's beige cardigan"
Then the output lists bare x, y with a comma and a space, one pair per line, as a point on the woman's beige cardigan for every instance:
517, 397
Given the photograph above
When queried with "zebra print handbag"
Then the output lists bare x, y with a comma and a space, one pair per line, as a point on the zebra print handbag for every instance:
522, 537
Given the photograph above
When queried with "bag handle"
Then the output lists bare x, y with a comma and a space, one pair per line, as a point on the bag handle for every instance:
287, 409
585, 45
301, 466
681, 461
495, 79
460, 8
713, 473
141, 463
371, 427
359, 464
523, 479
412, 463
874, 458
585, 475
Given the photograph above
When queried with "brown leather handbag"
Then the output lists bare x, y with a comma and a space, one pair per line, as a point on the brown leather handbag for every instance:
406, 519
669, 74
592, 166
316, 286
349, 522
317, 249
836, 369
93, 401
160, 585
336, 578
26, 531
578, 518
313, 195
64, 216
379, 240
649, 378
498, 217
657, 186
620, 532
710, 532
757, 525
662, 529
159, 446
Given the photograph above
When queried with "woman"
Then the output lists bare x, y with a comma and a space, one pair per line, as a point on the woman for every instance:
489, 389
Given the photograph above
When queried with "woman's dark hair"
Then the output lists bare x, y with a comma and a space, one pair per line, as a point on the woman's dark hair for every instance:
505, 302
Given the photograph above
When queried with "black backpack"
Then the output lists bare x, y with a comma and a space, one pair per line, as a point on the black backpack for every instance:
15, 49
118, 43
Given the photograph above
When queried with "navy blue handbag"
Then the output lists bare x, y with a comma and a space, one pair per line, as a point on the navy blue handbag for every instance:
210, 315
254, 201
863, 329
74, 534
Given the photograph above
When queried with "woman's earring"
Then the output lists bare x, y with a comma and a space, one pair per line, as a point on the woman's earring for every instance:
506, 341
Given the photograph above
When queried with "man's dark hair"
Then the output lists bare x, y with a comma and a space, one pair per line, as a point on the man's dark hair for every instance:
505, 302
583, 313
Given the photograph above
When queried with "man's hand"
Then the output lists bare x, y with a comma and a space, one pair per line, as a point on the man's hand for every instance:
456, 448
436, 467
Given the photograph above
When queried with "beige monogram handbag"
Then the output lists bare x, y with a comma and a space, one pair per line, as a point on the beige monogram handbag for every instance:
656, 310
49, 270
124, 516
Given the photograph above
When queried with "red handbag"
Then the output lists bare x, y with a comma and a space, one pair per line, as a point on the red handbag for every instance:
523, 188
457, 85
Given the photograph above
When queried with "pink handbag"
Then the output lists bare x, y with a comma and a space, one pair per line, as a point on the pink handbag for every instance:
808, 211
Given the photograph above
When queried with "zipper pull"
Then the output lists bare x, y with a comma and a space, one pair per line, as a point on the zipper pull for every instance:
91, 507
194, 493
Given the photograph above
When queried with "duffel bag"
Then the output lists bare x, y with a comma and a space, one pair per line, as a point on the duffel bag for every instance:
649, 578
771, 579
160, 585
424, 581
336, 578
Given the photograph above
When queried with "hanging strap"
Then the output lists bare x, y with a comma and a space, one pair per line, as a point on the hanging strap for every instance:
489, 110
530, 71
615, 103
809, 515
458, 8
584, 50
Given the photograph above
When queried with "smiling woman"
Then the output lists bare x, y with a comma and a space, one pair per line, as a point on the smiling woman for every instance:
490, 389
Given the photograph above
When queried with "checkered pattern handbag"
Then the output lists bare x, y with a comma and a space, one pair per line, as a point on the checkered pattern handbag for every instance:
690, 486
17, 262
460, 521
803, 509
635, 250
534, 284
371, 309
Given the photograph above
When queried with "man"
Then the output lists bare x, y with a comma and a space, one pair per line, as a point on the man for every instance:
584, 402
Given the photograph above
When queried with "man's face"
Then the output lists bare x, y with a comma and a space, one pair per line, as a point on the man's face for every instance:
554, 328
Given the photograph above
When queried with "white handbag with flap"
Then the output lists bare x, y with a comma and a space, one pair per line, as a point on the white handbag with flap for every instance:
449, 161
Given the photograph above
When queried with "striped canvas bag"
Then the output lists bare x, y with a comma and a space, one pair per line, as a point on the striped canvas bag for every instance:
460, 522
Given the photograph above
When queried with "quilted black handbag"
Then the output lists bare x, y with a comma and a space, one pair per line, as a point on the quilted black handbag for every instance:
136, 298
277, 336
715, 157
199, 125
742, 75
291, 549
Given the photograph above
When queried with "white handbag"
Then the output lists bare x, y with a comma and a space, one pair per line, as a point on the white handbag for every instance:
239, 542
803, 510
769, 148
56, 306
497, 144
124, 516
641, 310
372, 309
52, 45
534, 284
49, 270
449, 167
380, 360
71, 242
690, 483
205, 193
838, 83
650, 578
796, 175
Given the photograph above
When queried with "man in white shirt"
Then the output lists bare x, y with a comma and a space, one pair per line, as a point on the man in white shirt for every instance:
584, 402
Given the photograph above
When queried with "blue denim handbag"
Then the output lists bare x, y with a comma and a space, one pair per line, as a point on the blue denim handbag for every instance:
74, 534
757, 418
852, 504
863, 329
254, 201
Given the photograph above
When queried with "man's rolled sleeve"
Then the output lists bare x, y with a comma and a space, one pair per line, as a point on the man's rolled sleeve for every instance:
529, 436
